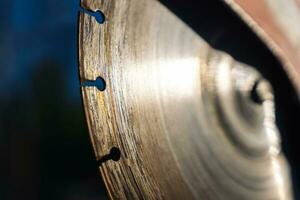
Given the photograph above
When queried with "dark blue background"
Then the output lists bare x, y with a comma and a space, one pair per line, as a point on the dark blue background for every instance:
45, 147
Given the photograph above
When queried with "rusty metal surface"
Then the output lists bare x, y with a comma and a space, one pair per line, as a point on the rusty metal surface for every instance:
188, 121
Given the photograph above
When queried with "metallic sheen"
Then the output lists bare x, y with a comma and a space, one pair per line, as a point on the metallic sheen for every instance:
190, 121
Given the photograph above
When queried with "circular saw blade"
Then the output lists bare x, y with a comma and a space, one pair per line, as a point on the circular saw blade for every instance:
176, 118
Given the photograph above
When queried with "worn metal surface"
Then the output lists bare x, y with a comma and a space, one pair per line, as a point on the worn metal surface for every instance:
276, 22
189, 121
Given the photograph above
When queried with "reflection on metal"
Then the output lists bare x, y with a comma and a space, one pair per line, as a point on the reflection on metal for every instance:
276, 22
187, 121
287, 19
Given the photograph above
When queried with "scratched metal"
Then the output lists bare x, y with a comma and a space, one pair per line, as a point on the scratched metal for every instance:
183, 115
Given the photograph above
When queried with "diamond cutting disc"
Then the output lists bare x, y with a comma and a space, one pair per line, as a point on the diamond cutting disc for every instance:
174, 118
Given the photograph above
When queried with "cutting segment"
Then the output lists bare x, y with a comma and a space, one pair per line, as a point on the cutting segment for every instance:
176, 118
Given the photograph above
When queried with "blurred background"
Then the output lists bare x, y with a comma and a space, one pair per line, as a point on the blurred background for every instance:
45, 150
